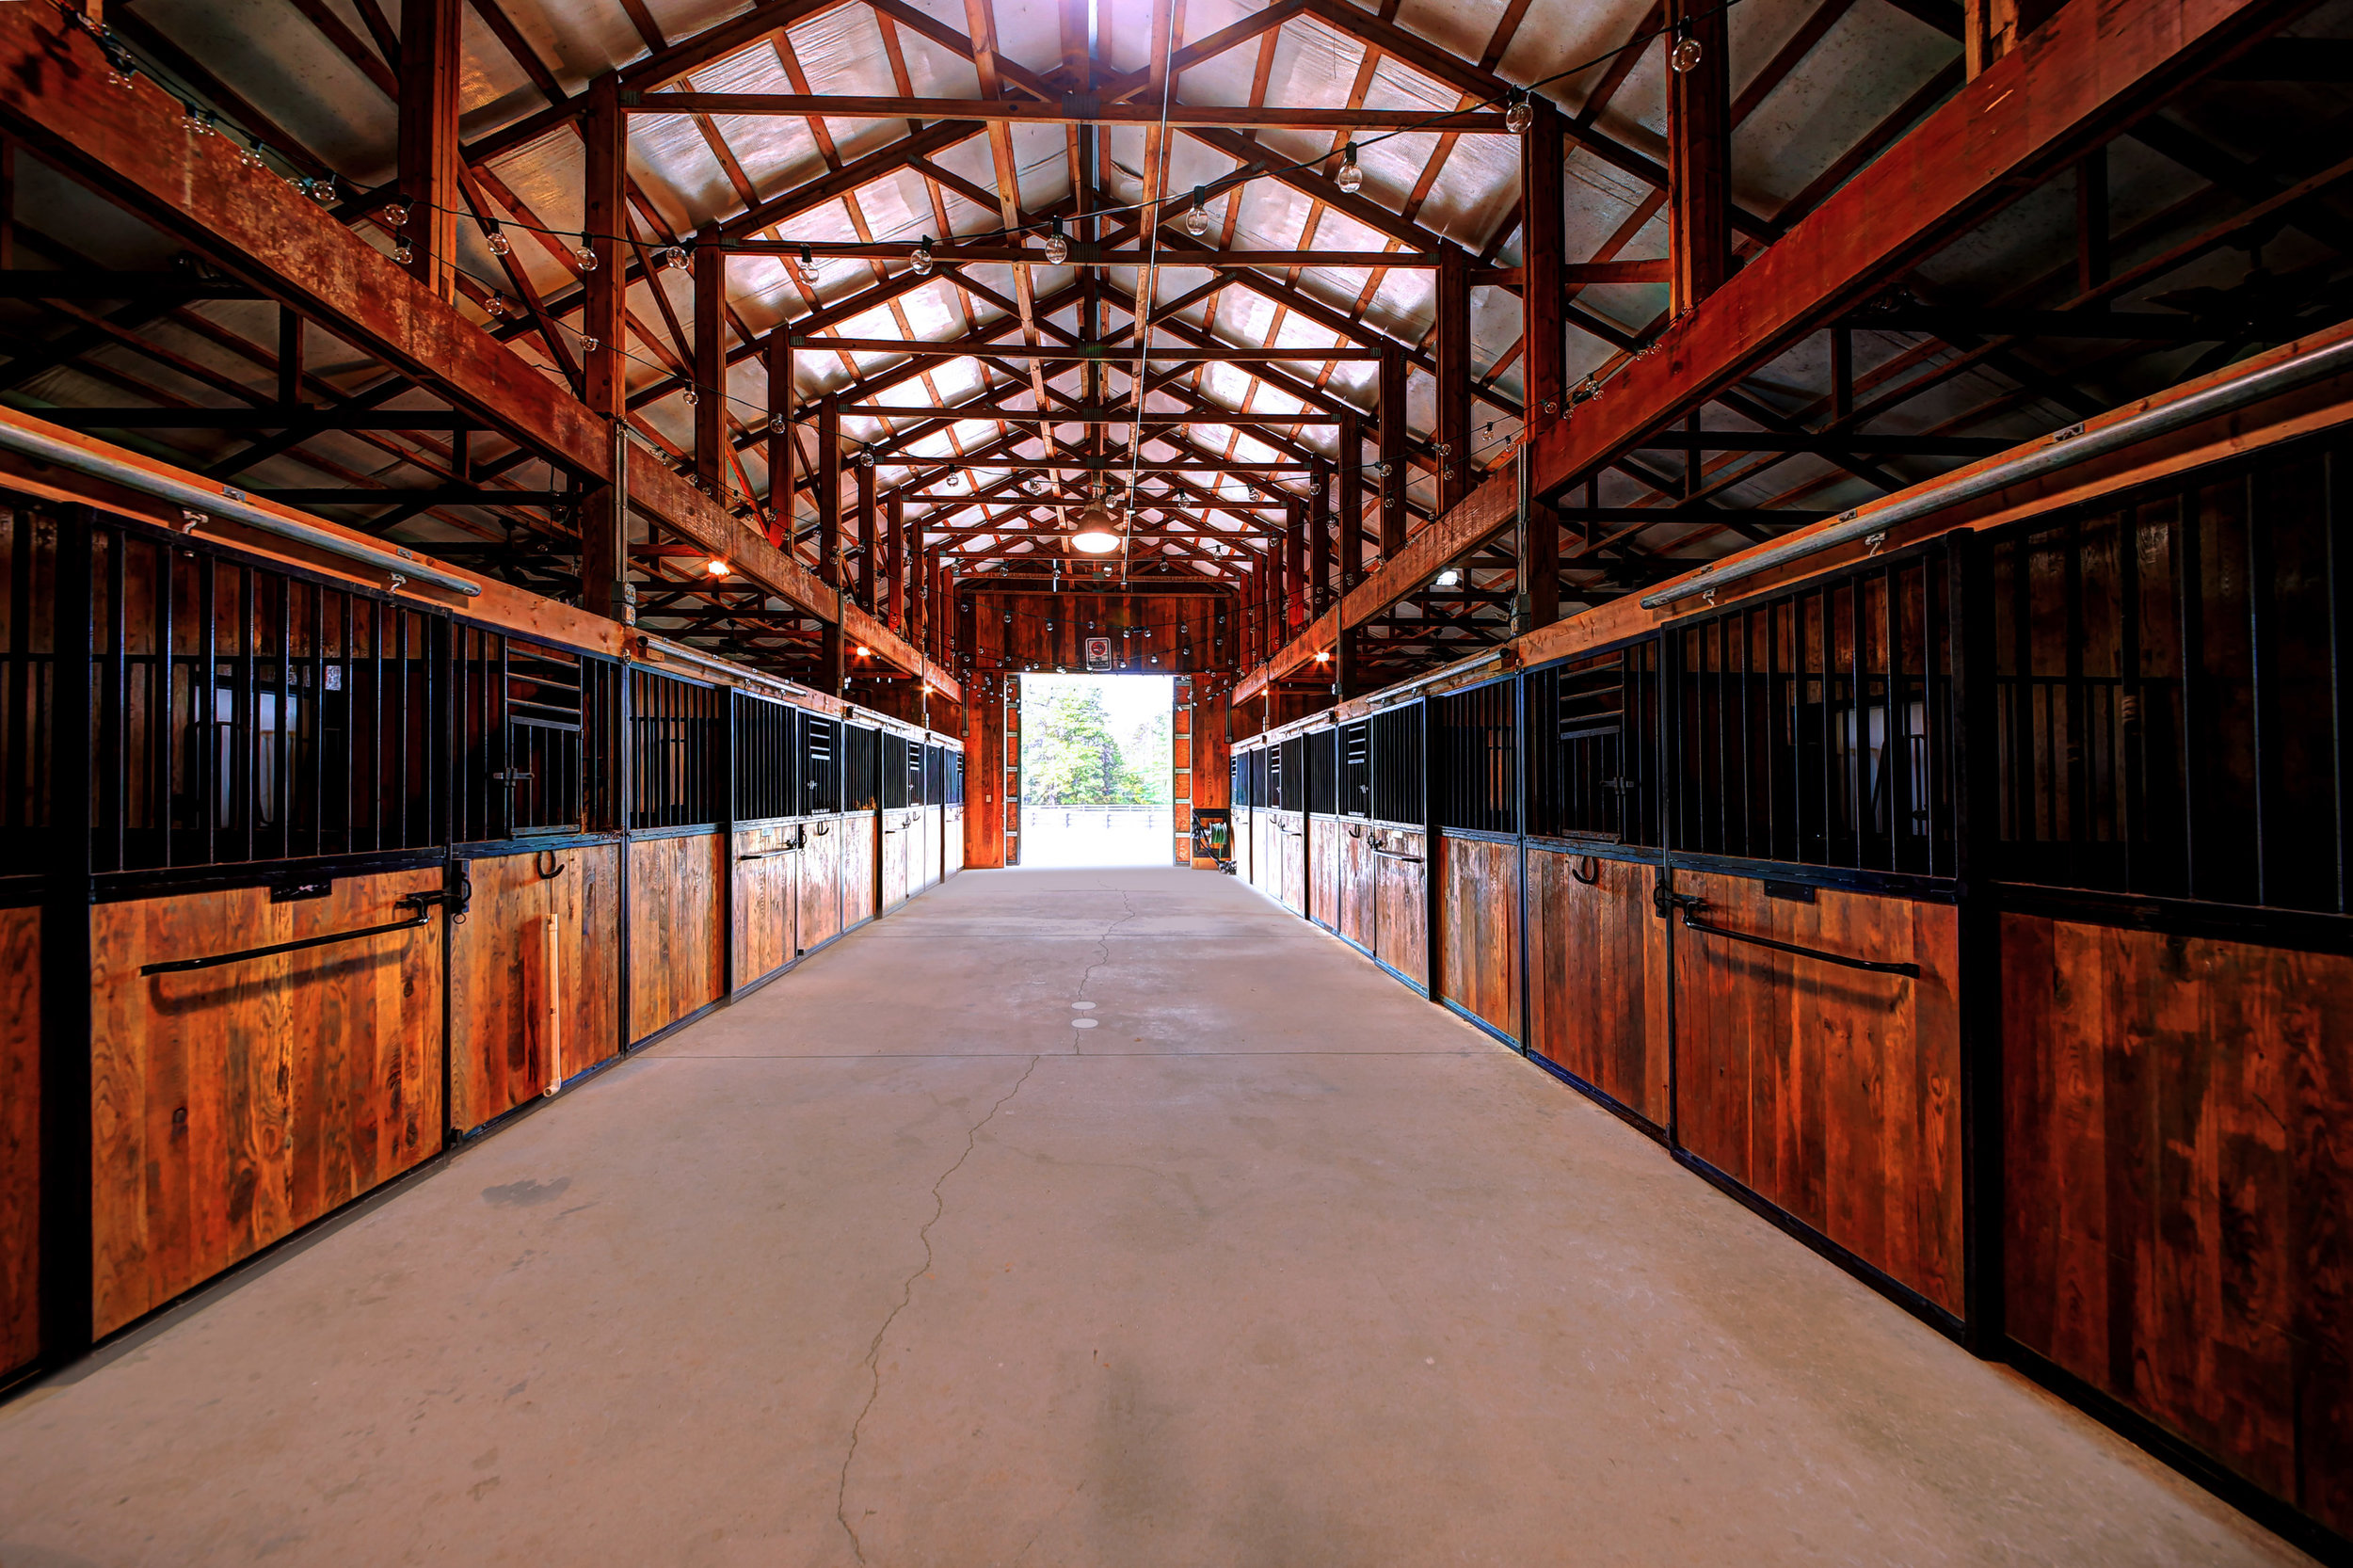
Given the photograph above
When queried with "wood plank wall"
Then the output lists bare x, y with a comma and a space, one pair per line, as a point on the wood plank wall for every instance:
512, 1022
1149, 633
20, 1137
2178, 1159
1597, 983
1833, 1093
985, 768
233, 1105
766, 927
1478, 910
1401, 907
674, 928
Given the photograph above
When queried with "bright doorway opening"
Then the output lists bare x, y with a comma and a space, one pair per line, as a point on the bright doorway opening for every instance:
1097, 770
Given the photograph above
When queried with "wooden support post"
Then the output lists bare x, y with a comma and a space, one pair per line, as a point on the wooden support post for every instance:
895, 561
710, 387
1699, 154
829, 491
1295, 610
603, 508
780, 491
1543, 245
426, 156
1318, 541
867, 538
1455, 378
1991, 28
1539, 569
1351, 479
1393, 437
919, 598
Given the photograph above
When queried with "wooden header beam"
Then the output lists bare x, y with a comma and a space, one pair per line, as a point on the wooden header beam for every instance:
1076, 352
1078, 415
1073, 109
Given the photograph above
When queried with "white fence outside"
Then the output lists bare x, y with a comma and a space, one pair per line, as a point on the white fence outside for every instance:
1098, 836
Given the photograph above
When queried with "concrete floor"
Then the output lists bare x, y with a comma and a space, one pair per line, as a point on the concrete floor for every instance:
896, 1262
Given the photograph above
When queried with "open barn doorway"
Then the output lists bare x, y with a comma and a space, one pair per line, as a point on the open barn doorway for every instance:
1097, 770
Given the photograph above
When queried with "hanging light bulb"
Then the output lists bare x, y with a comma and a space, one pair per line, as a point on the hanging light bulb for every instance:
588, 346
922, 260
716, 567
1035, 484
1197, 221
584, 256
500, 244
496, 304
322, 190
1094, 531
1449, 577
1685, 54
866, 456
404, 252
1057, 247
779, 424
396, 215
693, 398
1519, 117
1352, 175
807, 266
675, 258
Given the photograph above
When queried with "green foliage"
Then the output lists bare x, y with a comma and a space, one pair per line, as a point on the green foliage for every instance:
1070, 756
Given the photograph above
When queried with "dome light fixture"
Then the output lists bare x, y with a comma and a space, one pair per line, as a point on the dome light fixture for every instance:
1095, 530
1351, 178
1519, 117
1197, 220
1057, 247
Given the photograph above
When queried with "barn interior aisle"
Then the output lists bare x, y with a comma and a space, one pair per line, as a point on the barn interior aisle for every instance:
1155, 1226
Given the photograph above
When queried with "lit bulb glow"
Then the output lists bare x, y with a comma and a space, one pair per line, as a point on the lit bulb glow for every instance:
1449, 577
865, 652
1101, 542
717, 567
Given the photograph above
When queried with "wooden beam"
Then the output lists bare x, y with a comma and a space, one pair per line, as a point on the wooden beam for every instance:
1067, 109
708, 390
1543, 248
426, 152
1699, 154
1393, 451
1456, 468
1078, 353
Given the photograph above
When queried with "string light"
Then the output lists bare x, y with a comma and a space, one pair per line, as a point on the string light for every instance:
922, 260
1447, 578
1057, 247
1351, 178
584, 256
396, 215
716, 567
673, 258
402, 251
1519, 117
807, 266
1197, 220
500, 244
1685, 54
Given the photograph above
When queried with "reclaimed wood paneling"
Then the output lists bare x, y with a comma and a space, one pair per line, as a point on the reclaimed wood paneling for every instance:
1400, 908
900, 831
765, 930
1831, 1092
2179, 1188
1295, 891
1359, 876
1478, 911
231, 1106
1326, 837
674, 930
837, 876
1149, 633
1597, 980
519, 1009
984, 772
20, 1137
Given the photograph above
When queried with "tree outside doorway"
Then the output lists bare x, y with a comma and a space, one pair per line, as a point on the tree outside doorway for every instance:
1096, 760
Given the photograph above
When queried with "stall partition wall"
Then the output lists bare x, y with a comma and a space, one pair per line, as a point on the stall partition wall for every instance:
348, 877
1978, 912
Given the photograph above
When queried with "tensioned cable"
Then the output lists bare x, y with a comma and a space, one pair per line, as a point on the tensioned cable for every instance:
1146, 285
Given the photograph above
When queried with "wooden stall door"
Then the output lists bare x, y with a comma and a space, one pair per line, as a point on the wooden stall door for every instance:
231, 1106
1479, 909
1598, 976
1325, 835
1294, 825
832, 876
1401, 935
898, 836
20, 1137
674, 928
534, 978
2178, 1189
1832, 1093
765, 929
1359, 877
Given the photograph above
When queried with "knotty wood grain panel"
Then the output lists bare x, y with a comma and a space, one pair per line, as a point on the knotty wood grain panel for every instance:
767, 900
674, 929
1478, 910
2179, 1188
1325, 835
1597, 981
1400, 908
500, 1038
899, 832
20, 1137
231, 1106
1359, 873
837, 876
1829, 1092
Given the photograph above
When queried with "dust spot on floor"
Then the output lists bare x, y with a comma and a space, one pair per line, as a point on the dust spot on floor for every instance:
526, 1193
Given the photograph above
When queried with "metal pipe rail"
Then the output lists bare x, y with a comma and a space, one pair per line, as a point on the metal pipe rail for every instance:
1690, 905
422, 903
